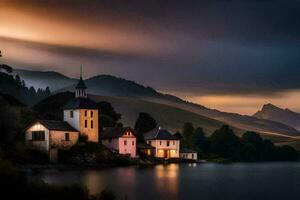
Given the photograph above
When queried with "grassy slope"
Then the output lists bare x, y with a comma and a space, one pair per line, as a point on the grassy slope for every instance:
166, 116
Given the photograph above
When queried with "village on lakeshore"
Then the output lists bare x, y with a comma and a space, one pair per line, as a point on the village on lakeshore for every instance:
80, 120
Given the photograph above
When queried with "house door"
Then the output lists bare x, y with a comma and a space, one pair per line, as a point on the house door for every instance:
167, 154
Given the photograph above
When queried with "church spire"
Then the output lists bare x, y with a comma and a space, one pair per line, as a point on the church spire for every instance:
80, 87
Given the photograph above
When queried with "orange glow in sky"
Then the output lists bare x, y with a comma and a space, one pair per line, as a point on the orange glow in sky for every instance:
50, 29
25, 27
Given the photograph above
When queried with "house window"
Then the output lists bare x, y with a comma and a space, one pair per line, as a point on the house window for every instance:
149, 142
125, 142
85, 113
71, 114
92, 114
85, 123
38, 135
160, 143
132, 143
173, 142
192, 155
92, 124
168, 143
67, 136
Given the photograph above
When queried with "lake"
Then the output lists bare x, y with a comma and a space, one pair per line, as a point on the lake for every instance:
239, 181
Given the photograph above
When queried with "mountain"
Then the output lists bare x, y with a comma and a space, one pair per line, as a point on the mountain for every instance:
274, 113
42, 79
106, 85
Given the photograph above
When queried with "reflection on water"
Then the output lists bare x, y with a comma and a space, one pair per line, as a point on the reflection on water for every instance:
274, 181
93, 180
166, 180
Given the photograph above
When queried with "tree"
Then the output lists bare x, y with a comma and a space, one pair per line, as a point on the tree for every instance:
188, 131
178, 135
32, 91
268, 152
107, 109
253, 138
252, 147
200, 141
144, 123
7, 68
108, 117
225, 143
47, 91
18, 81
181, 139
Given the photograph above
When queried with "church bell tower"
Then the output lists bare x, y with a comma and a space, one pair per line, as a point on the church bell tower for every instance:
80, 91
82, 113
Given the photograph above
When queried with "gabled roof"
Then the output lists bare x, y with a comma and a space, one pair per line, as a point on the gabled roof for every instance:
159, 134
57, 125
115, 132
186, 150
81, 103
80, 84
144, 146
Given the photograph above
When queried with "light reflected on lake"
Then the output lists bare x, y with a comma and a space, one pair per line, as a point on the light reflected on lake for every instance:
237, 181
93, 180
166, 180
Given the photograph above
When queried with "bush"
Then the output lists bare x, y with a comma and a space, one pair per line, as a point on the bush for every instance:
90, 153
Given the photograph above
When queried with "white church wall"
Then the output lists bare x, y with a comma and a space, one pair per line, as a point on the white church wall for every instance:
74, 122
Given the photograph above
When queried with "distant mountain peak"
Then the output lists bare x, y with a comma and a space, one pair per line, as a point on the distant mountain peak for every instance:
269, 105
274, 113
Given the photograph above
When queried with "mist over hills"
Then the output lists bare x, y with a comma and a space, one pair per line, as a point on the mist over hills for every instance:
111, 86
42, 79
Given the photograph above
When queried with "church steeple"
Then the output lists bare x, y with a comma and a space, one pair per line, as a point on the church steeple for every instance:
80, 87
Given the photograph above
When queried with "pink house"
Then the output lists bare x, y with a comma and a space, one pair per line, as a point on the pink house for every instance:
122, 140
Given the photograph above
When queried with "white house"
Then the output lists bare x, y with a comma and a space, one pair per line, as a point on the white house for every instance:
188, 154
166, 145
50, 135
122, 140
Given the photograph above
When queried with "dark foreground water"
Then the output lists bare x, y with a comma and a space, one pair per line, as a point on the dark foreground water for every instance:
242, 181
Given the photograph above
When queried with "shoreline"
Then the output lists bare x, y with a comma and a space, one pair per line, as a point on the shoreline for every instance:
63, 167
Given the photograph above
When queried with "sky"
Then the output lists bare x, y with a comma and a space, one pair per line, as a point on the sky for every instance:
231, 55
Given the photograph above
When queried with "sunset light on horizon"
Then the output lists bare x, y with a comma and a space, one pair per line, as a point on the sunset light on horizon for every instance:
218, 64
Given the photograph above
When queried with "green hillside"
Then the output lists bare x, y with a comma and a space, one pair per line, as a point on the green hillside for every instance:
167, 116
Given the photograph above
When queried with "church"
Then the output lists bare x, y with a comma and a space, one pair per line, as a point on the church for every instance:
80, 119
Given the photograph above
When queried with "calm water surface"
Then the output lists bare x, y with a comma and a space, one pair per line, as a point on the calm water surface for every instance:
241, 181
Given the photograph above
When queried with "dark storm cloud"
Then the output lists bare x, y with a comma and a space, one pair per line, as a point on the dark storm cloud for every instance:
211, 46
